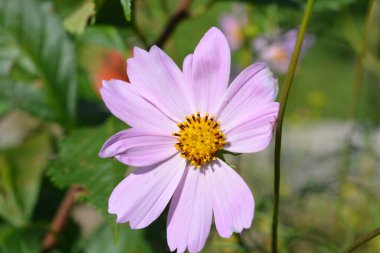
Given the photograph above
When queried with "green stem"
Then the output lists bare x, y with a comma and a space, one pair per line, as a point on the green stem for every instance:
359, 63
284, 97
362, 240
343, 174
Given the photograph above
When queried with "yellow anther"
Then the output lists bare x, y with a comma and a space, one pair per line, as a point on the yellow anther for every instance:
203, 139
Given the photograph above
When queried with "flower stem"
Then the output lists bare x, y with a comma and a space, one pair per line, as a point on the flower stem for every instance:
360, 60
362, 240
344, 169
284, 97
60, 218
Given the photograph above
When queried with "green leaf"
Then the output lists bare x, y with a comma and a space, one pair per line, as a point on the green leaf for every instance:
127, 8
25, 96
19, 240
21, 170
44, 50
127, 241
77, 21
103, 36
8, 55
78, 163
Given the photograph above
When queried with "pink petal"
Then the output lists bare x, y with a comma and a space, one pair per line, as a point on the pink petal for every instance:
158, 79
231, 198
254, 87
190, 213
207, 71
255, 133
134, 110
139, 148
143, 195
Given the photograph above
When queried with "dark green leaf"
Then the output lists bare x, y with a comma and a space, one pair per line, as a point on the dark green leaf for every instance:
78, 164
43, 46
19, 240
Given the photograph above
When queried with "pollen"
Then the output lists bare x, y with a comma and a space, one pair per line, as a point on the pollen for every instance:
199, 139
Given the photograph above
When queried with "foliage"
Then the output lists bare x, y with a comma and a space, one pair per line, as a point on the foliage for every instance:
77, 21
127, 8
19, 240
42, 55
78, 164
128, 241
53, 56
20, 175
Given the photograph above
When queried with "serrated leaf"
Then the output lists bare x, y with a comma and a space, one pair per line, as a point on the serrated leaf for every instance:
77, 21
39, 37
21, 170
78, 163
127, 8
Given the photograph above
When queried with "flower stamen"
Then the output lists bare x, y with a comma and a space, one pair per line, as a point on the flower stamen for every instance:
199, 139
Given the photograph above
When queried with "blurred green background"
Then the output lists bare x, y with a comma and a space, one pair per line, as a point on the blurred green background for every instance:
53, 56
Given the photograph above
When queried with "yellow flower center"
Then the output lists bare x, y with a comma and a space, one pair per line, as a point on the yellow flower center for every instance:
199, 138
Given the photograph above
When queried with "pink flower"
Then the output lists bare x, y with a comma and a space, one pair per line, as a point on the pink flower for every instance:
277, 50
233, 25
180, 120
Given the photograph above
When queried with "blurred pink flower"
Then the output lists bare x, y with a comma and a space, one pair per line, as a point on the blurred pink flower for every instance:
232, 25
277, 51
180, 120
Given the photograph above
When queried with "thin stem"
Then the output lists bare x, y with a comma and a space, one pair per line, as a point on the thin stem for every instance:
359, 62
344, 169
60, 218
284, 97
362, 240
181, 13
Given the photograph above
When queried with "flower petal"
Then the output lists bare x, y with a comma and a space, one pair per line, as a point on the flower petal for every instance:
255, 133
143, 195
232, 201
158, 79
134, 110
207, 71
254, 87
139, 148
190, 213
